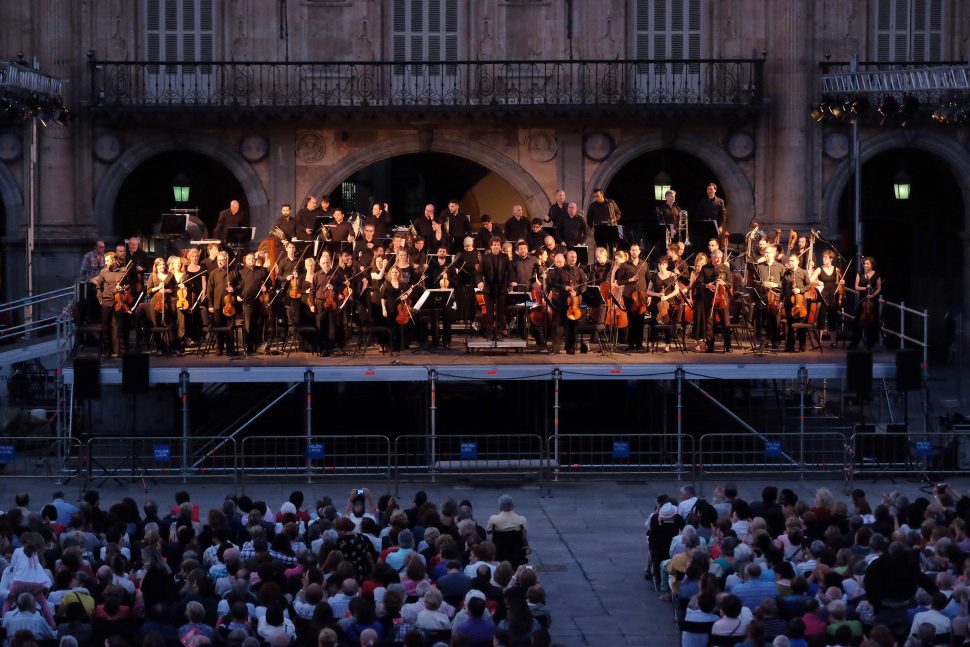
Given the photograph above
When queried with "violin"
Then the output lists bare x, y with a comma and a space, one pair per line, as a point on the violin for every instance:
228, 302
403, 313
867, 314
158, 301
639, 299
799, 310
329, 301
480, 300
123, 298
773, 302
182, 297
663, 312
573, 312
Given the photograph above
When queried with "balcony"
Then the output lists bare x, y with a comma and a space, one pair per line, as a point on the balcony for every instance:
374, 89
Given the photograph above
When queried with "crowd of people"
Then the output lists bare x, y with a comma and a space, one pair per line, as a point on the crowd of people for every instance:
345, 572
786, 572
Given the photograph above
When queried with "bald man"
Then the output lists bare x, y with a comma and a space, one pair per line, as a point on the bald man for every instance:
231, 217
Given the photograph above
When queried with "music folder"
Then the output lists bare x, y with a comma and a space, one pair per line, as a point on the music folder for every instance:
173, 224
240, 235
434, 299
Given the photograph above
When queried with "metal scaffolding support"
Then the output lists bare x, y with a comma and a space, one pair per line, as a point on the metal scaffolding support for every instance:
953, 78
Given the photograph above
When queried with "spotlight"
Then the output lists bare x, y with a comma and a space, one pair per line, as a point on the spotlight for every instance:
839, 108
887, 108
858, 108
819, 112
909, 110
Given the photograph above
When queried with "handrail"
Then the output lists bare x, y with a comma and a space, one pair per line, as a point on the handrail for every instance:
24, 302
924, 315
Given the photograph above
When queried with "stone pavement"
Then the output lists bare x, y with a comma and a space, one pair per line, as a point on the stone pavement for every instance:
587, 539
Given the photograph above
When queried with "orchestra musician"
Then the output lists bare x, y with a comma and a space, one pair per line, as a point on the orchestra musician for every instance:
176, 268
534, 239
286, 224
516, 227
140, 261
723, 285
340, 230
252, 283
380, 217
306, 218
866, 327
557, 213
551, 248
667, 305
804, 259
346, 283
701, 298
428, 227
489, 230
637, 275
391, 295
562, 281
827, 279
573, 229
494, 279
795, 281
711, 211
467, 266
195, 316
229, 218
457, 226
525, 269
110, 281
324, 308
158, 306
288, 269
668, 214
440, 275
365, 246
598, 273
767, 305
220, 284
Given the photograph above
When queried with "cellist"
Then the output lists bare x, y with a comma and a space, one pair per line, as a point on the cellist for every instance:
719, 313
794, 282
636, 277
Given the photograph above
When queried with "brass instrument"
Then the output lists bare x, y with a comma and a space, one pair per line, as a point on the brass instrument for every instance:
683, 228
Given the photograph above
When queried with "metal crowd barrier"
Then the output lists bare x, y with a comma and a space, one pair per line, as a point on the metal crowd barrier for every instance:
817, 452
420, 456
32, 457
914, 453
316, 456
161, 457
573, 455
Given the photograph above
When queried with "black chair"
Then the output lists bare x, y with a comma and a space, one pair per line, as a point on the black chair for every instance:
724, 641
696, 628
436, 636
510, 545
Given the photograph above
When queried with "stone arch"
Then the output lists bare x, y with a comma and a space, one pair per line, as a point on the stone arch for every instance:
131, 159
944, 147
730, 175
13, 201
535, 198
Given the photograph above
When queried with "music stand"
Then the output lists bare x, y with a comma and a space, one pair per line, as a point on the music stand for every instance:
656, 233
606, 235
173, 224
707, 229
434, 301
240, 236
337, 246
320, 221
582, 253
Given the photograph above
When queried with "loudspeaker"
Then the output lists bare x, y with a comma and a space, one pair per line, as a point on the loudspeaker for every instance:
858, 372
909, 374
134, 373
87, 378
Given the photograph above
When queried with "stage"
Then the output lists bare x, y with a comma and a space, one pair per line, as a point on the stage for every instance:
457, 365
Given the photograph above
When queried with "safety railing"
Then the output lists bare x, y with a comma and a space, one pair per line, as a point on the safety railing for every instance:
510, 455
814, 452
913, 453
33, 316
47, 458
908, 325
316, 456
381, 85
160, 457
572, 455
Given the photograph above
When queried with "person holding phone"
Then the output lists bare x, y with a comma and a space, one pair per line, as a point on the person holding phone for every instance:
360, 505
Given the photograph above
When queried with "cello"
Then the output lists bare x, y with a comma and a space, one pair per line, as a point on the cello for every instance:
616, 316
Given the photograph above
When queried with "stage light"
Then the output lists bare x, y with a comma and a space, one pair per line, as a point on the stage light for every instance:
838, 109
887, 108
909, 110
661, 184
858, 108
819, 112
180, 187
901, 185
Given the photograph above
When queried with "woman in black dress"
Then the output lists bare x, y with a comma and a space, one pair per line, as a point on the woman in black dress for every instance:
827, 278
868, 283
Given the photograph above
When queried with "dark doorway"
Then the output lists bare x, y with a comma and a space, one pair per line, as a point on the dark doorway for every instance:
917, 243
409, 182
147, 193
632, 188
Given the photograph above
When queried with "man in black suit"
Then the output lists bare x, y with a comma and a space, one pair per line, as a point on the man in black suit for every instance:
710, 214
231, 217
489, 230
494, 280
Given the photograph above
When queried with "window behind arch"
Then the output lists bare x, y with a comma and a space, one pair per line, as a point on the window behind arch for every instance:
908, 30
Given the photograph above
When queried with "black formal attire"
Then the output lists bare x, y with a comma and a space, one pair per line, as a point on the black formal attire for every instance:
517, 229
364, 251
425, 228
381, 223
599, 214
435, 272
574, 231
496, 274
669, 217
306, 219
535, 239
466, 269
598, 274
219, 280
341, 232
166, 318
828, 315
228, 220
112, 323
675, 304
765, 320
140, 259
792, 280
524, 273
289, 227
285, 267
251, 280
325, 319
712, 213
391, 297
557, 215
635, 277
721, 317
623, 274
196, 315
484, 236
803, 258
557, 279
869, 332
457, 226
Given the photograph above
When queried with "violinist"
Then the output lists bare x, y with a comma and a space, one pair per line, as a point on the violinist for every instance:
721, 292
563, 281
637, 274
466, 267
140, 260
220, 285
666, 308
252, 283
767, 304
441, 276
324, 308
195, 282
677, 263
418, 255
794, 283
525, 268
868, 283
551, 248
212, 261
160, 306
391, 296
287, 271
176, 267
827, 279
108, 283
702, 298
364, 247
494, 279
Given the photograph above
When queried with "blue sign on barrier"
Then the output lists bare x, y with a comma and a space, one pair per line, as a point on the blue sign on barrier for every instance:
469, 451
315, 451
7, 453
621, 449
772, 448
924, 448
162, 453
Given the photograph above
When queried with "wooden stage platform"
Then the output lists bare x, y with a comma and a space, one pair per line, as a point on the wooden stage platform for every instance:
456, 364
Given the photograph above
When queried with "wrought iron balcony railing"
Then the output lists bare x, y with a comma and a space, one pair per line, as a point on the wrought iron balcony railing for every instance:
324, 87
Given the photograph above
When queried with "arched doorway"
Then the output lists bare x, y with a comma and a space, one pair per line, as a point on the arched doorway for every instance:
147, 192
409, 182
917, 242
632, 188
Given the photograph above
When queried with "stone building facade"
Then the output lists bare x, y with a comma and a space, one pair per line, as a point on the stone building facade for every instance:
744, 113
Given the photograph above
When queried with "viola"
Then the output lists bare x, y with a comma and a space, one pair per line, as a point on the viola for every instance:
798, 308
403, 313
663, 312
182, 297
573, 312
123, 300
228, 302
638, 304
294, 292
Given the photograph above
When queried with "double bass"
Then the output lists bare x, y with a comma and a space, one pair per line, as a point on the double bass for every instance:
616, 316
